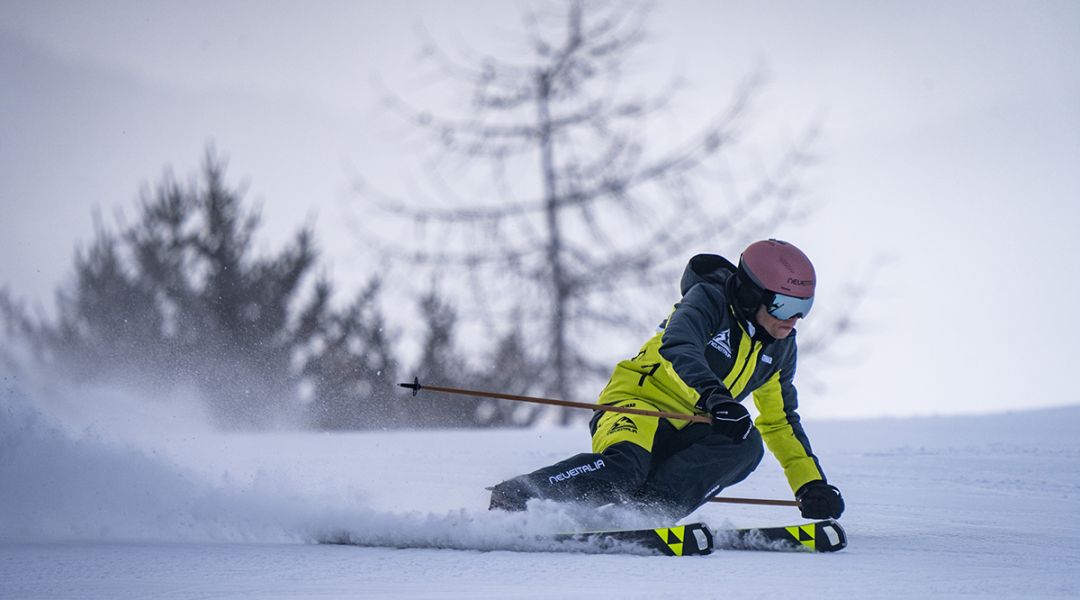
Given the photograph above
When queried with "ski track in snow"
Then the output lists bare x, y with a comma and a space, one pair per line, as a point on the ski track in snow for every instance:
165, 508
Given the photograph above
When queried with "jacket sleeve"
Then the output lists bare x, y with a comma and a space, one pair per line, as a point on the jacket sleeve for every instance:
688, 329
778, 421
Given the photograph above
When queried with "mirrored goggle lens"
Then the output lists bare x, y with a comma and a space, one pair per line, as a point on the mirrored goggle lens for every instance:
784, 307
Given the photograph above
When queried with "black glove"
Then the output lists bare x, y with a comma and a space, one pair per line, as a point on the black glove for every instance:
729, 418
819, 500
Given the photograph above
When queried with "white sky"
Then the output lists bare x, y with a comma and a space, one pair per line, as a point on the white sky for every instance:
951, 146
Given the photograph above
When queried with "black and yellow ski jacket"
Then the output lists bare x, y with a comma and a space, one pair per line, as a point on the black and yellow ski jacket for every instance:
705, 345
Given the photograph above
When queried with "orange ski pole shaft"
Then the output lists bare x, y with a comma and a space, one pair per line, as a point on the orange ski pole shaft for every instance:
416, 387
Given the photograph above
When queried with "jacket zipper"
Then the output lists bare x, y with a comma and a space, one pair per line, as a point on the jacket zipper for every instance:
735, 381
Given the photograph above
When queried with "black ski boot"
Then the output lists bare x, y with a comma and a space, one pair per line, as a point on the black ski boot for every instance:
510, 496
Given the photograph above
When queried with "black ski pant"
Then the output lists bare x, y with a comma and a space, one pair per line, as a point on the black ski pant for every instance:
685, 468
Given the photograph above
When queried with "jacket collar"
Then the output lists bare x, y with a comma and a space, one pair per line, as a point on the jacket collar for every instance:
756, 333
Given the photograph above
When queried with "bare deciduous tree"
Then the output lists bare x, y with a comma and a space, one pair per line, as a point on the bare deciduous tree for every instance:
583, 217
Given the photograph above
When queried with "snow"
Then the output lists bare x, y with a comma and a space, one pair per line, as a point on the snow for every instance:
158, 506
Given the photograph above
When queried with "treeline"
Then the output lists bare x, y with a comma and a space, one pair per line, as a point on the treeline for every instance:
178, 299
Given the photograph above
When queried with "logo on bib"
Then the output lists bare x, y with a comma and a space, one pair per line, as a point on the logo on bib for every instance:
623, 424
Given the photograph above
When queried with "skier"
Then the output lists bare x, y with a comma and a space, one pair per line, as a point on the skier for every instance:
731, 335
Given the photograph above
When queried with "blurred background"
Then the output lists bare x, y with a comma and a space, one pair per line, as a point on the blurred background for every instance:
279, 210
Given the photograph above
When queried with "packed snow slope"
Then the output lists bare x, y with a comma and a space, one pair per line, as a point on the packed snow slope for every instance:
155, 506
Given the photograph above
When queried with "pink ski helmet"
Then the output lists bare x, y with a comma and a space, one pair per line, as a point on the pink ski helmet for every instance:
777, 275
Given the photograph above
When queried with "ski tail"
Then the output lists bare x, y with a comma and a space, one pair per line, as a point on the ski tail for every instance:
695, 539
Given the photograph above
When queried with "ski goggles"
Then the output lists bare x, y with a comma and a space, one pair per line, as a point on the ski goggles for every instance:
784, 307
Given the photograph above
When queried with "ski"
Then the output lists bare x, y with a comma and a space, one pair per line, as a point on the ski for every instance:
694, 539
698, 539
819, 536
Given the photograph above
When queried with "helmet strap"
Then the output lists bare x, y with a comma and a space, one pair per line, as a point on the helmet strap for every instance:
745, 297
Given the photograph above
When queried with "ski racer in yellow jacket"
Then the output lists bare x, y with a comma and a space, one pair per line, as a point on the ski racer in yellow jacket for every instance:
731, 336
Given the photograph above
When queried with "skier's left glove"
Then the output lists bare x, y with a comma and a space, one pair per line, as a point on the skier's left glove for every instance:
731, 419
819, 500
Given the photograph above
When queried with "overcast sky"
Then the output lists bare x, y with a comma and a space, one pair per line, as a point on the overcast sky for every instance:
950, 145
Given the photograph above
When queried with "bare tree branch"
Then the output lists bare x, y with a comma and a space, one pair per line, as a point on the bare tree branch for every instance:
586, 216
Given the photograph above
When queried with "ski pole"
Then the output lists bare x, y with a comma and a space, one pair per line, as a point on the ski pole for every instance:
726, 500
416, 387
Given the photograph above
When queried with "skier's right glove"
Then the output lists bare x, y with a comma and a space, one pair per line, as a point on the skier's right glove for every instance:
819, 500
729, 418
